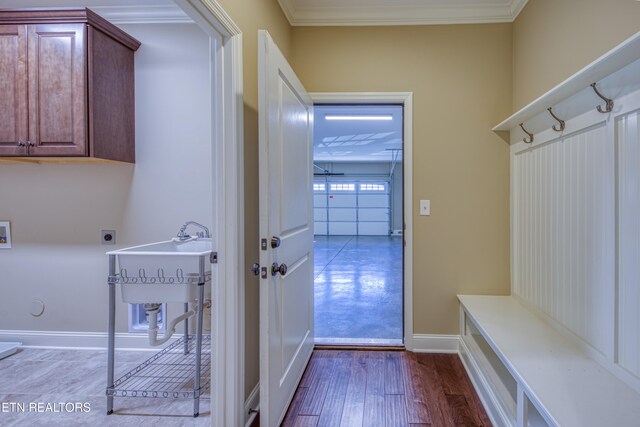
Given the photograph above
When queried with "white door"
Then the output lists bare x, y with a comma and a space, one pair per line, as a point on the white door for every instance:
286, 213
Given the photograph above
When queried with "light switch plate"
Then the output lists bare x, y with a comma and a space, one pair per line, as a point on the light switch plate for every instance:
425, 207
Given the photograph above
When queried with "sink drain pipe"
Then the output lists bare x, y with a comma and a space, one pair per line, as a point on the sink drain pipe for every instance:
152, 311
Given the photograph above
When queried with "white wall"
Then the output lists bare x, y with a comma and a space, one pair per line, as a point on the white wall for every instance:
57, 210
378, 170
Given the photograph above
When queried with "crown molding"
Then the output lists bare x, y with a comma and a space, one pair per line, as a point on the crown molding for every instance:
155, 14
288, 10
401, 15
114, 11
516, 8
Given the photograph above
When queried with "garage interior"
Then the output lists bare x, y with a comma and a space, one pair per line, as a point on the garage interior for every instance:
358, 223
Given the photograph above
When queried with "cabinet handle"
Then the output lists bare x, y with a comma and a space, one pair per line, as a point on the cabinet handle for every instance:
29, 144
20, 144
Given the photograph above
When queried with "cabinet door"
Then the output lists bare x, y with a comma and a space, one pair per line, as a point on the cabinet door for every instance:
13, 90
57, 90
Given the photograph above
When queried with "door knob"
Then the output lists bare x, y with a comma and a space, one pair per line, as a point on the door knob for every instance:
255, 269
275, 269
275, 242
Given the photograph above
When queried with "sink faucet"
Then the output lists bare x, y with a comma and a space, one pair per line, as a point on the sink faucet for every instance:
182, 235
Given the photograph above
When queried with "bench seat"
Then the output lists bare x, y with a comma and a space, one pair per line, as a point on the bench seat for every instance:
553, 381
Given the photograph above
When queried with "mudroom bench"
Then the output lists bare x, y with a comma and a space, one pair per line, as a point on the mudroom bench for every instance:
530, 373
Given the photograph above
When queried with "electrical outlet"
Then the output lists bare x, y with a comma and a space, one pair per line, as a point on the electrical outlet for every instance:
108, 237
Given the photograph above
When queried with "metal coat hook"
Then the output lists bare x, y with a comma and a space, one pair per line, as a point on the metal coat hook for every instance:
525, 131
609, 107
561, 122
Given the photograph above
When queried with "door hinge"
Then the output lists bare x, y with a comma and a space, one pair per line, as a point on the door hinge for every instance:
213, 258
263, 244
255, 269
263, 272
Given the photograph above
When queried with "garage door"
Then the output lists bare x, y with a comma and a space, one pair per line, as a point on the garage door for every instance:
354, 208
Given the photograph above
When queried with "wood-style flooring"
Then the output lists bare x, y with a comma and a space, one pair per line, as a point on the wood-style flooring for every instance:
385, 388
48, 377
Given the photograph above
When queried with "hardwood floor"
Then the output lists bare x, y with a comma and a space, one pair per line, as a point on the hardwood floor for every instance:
385, 388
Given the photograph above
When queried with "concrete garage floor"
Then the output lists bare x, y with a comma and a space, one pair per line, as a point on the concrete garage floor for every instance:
358, 289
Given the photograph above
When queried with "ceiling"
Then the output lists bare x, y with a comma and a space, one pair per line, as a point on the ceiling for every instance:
357, 140
399, 12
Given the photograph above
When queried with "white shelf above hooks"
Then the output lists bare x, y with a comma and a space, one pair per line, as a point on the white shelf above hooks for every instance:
616, 73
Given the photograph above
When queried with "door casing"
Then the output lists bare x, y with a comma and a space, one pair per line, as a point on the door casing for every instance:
227, 319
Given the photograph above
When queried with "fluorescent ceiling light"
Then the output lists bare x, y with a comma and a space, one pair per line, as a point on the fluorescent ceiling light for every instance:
358, 117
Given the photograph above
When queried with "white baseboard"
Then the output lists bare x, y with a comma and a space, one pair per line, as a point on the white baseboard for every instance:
436, 343
252, 404
79, 340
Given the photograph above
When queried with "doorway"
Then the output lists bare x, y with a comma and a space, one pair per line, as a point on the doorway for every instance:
358, 224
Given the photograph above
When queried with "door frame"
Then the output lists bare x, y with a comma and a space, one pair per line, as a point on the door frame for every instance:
228, 290
406, 100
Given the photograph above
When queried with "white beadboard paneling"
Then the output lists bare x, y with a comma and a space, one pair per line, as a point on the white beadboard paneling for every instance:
628, 142
564, 232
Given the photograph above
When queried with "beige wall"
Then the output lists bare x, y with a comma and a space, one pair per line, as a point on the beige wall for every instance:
460, 77
251, 16
552, 39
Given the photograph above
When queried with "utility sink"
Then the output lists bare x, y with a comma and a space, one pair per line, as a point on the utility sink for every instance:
162, 272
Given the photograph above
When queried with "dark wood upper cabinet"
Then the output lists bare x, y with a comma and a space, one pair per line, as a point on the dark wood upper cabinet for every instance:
57, 89
13, 90
67, 85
